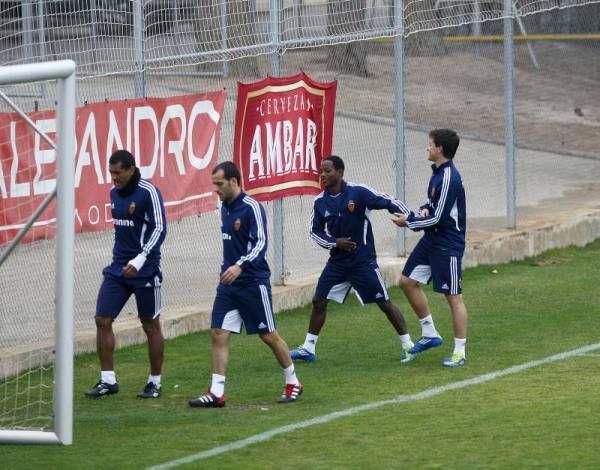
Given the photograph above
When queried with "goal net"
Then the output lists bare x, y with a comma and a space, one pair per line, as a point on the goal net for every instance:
36, 254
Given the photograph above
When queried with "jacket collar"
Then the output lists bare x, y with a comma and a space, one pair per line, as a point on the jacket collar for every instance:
441, 167
236, 202
342, 189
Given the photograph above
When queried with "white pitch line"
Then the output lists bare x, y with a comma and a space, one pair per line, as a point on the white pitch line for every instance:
431, 392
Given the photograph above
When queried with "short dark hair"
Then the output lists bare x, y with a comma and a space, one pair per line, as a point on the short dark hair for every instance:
123, 157
230, 171
338, 163
447, 139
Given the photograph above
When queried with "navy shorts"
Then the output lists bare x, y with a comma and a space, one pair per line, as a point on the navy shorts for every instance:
445, 270
250, 305
115, 292
366, 279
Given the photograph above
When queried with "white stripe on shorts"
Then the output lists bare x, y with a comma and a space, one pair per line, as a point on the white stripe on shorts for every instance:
380, 277
157, 299
267, 307
453, 276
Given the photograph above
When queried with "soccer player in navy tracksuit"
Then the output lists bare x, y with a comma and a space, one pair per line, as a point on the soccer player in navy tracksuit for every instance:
140, 228
438, 255
340, 223
244, 292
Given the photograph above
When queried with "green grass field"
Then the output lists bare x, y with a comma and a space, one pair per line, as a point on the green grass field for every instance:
544, 416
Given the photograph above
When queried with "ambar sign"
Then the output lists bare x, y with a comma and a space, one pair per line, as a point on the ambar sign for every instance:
284, 128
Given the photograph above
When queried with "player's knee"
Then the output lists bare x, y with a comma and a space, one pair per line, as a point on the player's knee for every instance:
151, 326
455, 301
218, 335
386, 306
407, 283
103, 322
319, 304
270, 338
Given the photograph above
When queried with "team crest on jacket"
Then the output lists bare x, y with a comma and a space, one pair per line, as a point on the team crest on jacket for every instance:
351, 206
131, 208
237, 224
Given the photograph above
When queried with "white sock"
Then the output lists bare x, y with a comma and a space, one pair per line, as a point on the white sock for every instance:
427, 327
310, 343
459, 345
108, 377
155, 379
406, 341
290, 375
217, 387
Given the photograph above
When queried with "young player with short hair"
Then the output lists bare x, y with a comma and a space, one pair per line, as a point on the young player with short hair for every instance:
438, 255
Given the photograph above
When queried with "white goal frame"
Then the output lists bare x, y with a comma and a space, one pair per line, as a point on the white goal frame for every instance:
64, 72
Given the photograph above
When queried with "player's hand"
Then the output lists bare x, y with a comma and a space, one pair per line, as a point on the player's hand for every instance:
230, 274
345, 244
424, 212
400, 220
129, 271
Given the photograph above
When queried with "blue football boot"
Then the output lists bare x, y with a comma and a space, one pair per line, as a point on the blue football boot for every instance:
424, 343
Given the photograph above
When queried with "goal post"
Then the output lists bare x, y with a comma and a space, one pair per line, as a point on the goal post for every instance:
64, 73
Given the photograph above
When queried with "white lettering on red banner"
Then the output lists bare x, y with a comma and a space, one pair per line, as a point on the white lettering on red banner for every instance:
174, 140
284, 128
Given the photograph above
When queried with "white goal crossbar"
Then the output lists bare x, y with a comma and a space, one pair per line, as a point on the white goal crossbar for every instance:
64, 72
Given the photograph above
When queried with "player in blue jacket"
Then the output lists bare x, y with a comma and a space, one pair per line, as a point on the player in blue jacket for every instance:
244, 292
340, 223
438, 255
140, 228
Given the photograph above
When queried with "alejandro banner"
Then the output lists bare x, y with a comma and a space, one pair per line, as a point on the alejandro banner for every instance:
174, 140
283, 129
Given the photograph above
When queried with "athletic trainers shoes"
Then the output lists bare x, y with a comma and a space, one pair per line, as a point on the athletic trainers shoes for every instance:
301, 354
151, 390
291, 392
456, 360
406, 356
101, 389
424, 343
208, 400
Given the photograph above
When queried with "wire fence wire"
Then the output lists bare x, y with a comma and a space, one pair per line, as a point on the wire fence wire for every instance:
453, 78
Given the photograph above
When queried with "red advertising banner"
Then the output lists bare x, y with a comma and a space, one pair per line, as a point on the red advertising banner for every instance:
174, 140
283, 129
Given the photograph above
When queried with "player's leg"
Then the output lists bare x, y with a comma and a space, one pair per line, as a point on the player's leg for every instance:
417, 270
226, 319
293, 388
148, 298
369, 285
105, 342
448, 270
256, 310
446, 274
333, 284
112, 296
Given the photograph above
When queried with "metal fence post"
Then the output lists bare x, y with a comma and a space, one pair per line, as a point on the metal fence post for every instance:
511, 189
278, 215
400, 137
139, 47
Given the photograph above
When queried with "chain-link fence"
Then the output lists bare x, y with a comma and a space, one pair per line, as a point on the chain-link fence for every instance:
453, 72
